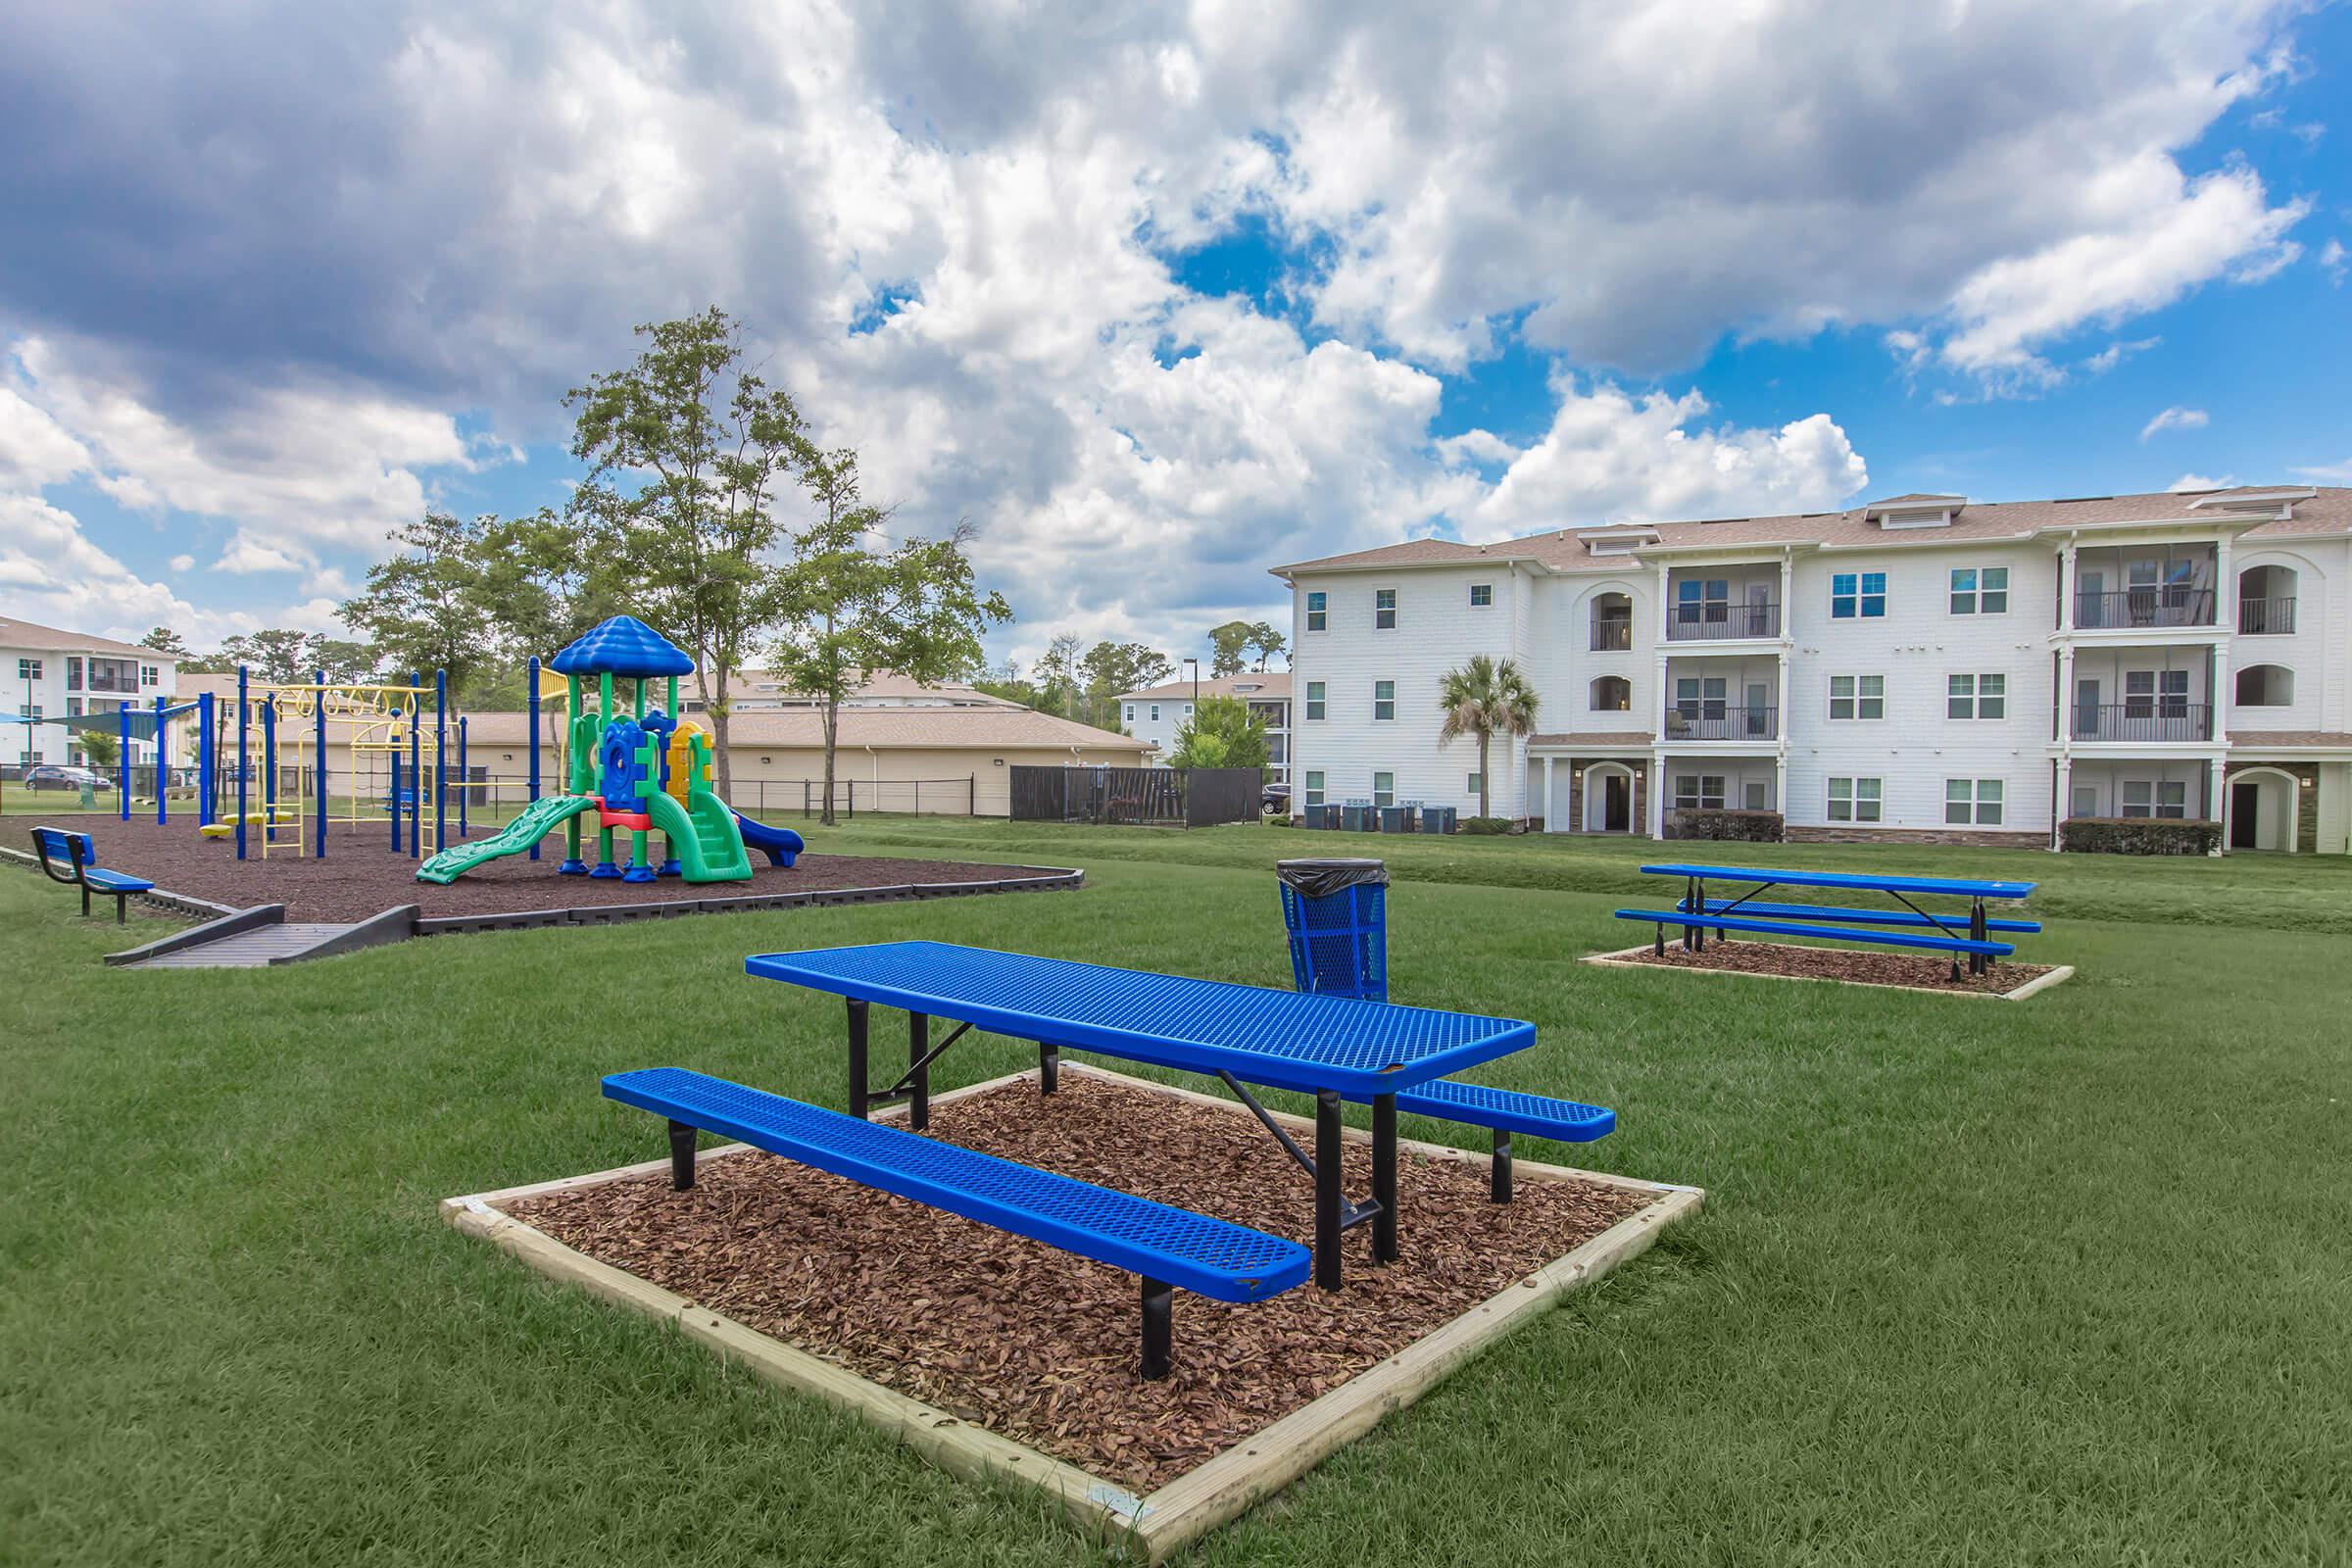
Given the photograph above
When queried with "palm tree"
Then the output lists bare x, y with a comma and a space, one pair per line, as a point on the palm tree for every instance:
1484, 699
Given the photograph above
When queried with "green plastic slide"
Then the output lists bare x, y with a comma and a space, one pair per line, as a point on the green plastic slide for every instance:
703, 839
537, 820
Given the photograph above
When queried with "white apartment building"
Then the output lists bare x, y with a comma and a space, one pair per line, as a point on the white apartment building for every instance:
1156, 712
73, 673
1920, 667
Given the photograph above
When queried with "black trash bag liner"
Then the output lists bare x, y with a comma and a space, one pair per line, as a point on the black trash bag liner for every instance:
1320, 879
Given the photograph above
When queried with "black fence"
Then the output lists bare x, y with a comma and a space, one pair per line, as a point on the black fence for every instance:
1140, 797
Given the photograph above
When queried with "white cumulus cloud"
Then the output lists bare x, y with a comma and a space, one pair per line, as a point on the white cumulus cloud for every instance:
2176, 417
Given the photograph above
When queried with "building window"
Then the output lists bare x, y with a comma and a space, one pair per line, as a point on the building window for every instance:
1154, 713
1475, 783
1316, 616
1187, 710
1855, 595
1482, 594
1979, 591
2145, 796
1974, 800
1700, 697
1130, 712
2086, 800
1383, 699
1383, 610
72, 673
1977, 697
2265, 686
1697, 602
2148, 693
1314, 788
1383, 788
28, 669
1314, 699
150, 675
1699, 792
74, 708
1612, 693
1854, 800
1857, 697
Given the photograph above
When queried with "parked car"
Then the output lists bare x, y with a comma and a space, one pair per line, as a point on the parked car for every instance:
53, 777
1275, 799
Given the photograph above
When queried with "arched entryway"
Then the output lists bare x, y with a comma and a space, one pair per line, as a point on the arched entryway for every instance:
2262, 809
1608, 797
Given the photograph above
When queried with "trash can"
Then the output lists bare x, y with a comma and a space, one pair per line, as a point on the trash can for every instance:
1395, 819
1336, 914
1437, 818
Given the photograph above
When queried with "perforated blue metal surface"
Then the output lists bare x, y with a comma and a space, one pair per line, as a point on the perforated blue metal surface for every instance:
1823, 912
1210, 1257
1280, 1038
1840, 879
1510, 1112
1339, 943
1806, 929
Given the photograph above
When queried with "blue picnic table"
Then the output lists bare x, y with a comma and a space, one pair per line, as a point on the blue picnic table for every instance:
1901, 889
1333, 1047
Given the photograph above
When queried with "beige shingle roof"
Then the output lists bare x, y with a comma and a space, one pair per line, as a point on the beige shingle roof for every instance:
2326, 510
16, 633
1266, 686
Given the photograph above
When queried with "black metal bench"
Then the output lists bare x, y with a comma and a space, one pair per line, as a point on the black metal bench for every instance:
81, 868
1167, 1247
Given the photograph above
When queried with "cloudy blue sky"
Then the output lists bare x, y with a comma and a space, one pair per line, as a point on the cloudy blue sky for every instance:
1156, 298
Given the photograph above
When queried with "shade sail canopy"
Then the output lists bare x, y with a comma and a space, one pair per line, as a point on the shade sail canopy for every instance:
622, 646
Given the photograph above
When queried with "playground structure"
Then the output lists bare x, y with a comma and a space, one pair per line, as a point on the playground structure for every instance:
641, 771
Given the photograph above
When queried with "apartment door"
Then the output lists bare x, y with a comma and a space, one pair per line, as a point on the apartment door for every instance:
1759, 610
1759, 710
2087, 709
2245, 814
2090, 598
1616, 803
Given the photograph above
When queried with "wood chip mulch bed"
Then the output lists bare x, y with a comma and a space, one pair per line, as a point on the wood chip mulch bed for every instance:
361, 876
1842, 963
1040, 1345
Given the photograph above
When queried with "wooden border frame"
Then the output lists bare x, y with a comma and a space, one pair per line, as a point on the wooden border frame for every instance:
1152, 1527
1622, 960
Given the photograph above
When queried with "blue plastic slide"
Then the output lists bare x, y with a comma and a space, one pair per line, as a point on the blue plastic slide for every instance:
781, 845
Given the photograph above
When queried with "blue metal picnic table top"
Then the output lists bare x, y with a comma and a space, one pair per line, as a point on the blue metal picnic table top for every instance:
1286, 1039
1959, 887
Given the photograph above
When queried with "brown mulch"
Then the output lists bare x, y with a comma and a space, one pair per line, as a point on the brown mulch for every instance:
1040, 1345
361, 876
1914, 972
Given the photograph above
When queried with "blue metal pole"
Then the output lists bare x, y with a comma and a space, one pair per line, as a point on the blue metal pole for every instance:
159, 758
318, 758
440, 761
122, 758
241, 769
415, 763
532, 739
464, 780
204, 759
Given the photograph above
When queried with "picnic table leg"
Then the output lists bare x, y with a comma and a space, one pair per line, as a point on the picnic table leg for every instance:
1977, 963
1158, 1329
1328, 1201
1498, 1173
681, 1156
857, 1078
1384, 1178
1049, 1068
918, 1046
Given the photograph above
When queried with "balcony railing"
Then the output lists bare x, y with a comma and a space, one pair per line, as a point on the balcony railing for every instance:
1612, 636
1721, 622
2266, 617
2144, 722
1718, 722
2166, 606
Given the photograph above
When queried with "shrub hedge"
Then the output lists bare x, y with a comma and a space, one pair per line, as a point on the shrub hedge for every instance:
2138, 835
1484, 825
1745, 827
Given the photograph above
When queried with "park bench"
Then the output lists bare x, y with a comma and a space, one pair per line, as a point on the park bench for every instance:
1745, 914
1504, 1111
1167, 1247
1823, 912
82, 869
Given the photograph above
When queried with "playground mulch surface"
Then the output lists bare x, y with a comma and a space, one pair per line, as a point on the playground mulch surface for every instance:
361, 876
1040, 1345
1790, 962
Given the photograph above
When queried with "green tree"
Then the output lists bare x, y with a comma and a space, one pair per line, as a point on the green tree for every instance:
424, 610
1485, 697
1221, 733
685, 449
101, 746
859, 604
1264, 641
1109, 669
278, 657
1229, 647
164, 640
1055, 674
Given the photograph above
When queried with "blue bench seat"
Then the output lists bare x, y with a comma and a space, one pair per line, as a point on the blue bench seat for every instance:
1505, 1112
1798, 928
79, 857
1167, 1247
1895, 917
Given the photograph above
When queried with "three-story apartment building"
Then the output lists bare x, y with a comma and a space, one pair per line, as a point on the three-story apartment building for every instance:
73, 674
1921, 666
1155, 713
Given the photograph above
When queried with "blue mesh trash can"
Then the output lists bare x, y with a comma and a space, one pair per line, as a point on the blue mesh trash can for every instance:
1336, 914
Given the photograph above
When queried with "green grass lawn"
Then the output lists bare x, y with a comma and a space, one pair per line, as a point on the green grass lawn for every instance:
2065, 1282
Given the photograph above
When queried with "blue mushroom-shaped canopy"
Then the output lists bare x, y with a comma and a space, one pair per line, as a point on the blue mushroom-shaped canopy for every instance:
622, 645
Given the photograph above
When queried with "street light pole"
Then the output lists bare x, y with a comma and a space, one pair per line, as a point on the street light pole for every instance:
1195, 663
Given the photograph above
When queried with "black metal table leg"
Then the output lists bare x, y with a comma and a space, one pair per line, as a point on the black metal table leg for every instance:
1328, 1201
1499, 1176
681, 1156
1384, 1178
1977, 963
1158, 1329
1049, 1068
858, 1068
918, 1046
